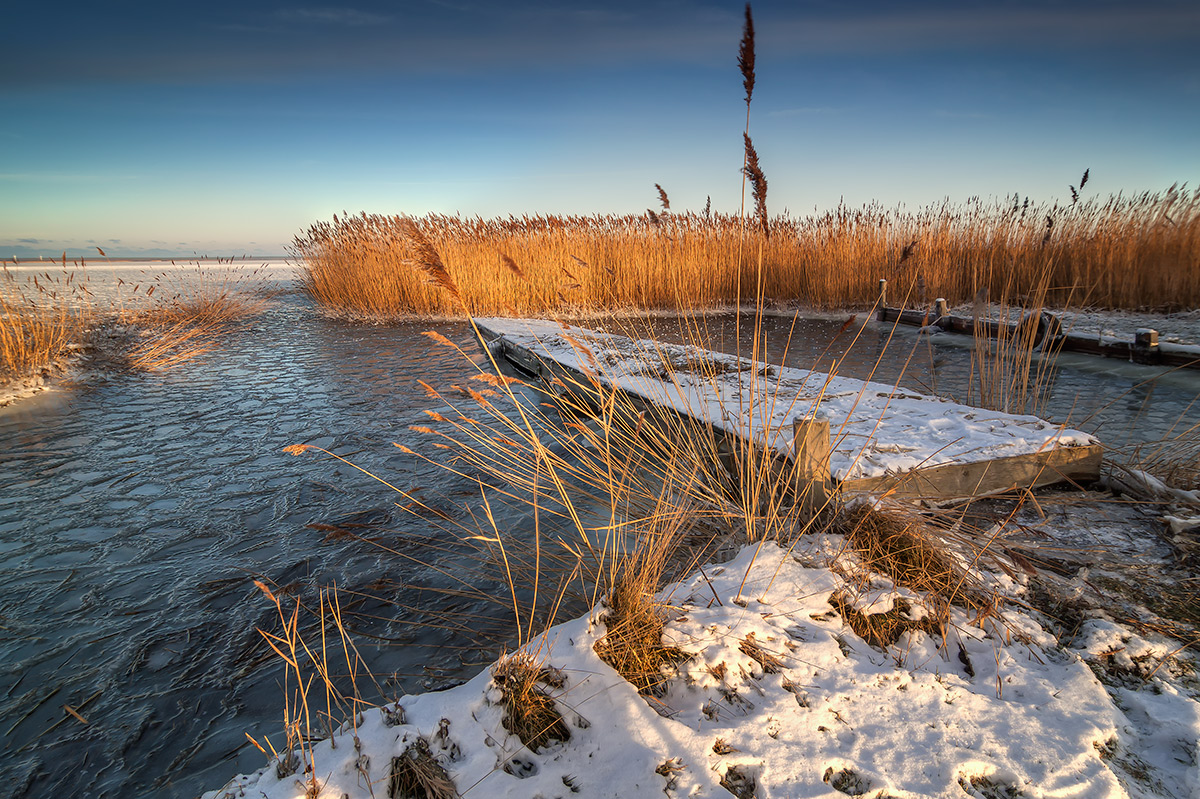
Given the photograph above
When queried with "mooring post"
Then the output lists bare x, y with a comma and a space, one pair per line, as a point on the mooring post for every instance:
941, 308
1145, 346
811, 448
881, 314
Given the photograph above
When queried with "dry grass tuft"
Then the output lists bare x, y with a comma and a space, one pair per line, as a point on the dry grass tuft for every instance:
39, 323
633, 642
1013, 366
881, 630
185, 327
634, 618
769, 663
740, 782
903, 547
415, 774
1175, 459
529, 712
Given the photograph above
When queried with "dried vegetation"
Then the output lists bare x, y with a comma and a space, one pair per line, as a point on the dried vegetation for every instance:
1121, 252
529, 711
154, 324
41, 320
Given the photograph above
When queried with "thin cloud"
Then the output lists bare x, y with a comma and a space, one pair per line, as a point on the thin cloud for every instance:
805, 111
349, 17
60, 177
957, 29
440, 38
945, 113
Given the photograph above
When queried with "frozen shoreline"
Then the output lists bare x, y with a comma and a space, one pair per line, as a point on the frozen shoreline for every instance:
998, 708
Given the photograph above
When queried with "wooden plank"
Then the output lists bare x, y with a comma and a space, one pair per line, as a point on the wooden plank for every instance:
811, 450
980, 478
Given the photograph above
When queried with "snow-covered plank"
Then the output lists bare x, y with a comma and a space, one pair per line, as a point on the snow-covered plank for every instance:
882, 437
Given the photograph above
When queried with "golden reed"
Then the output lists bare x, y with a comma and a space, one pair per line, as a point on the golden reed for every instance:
1140, 251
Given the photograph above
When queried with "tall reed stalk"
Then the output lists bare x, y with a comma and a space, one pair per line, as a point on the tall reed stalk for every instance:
1013, 370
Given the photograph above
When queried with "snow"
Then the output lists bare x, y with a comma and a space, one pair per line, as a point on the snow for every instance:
994, 710
113, 285
876, 429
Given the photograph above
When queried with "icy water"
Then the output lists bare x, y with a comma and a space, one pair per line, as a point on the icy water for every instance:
136, 511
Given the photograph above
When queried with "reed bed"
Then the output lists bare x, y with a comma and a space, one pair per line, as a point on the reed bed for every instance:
1139, 251
159, 323
40, 322
189, 325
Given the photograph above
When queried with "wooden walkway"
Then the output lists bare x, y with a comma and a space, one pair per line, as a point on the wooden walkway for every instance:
1143, 348
853, 435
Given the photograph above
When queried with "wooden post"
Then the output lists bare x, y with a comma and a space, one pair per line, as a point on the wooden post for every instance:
881, 314
811, 448
1145, 346
942, 307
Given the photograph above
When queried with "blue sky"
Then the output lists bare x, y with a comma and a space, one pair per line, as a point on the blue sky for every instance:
229, 127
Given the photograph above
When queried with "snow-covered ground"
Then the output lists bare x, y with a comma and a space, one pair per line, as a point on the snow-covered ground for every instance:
1082, 684
780, 698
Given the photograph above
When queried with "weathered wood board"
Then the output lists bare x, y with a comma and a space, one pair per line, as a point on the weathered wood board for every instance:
881, 439
1143, 348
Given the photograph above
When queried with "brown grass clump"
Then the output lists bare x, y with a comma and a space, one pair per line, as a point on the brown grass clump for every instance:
914, 551
634, 618
415, 774
903, 548
769, 663
39, 323
186, 327
740, 781
881, 630
529, 712
633, 642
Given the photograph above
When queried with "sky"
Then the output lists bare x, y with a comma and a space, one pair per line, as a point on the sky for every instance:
227, 128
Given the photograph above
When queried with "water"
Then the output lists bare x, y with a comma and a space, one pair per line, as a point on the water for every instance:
137, 510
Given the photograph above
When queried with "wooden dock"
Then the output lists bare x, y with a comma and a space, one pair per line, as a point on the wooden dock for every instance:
850, 435
1050, 336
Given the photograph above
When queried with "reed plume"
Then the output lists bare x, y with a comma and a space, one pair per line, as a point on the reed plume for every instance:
511, 265
662, 198
426, 259
746, 55
758, 185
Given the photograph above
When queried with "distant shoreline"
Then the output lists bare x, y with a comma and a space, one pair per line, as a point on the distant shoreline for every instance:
21, 260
